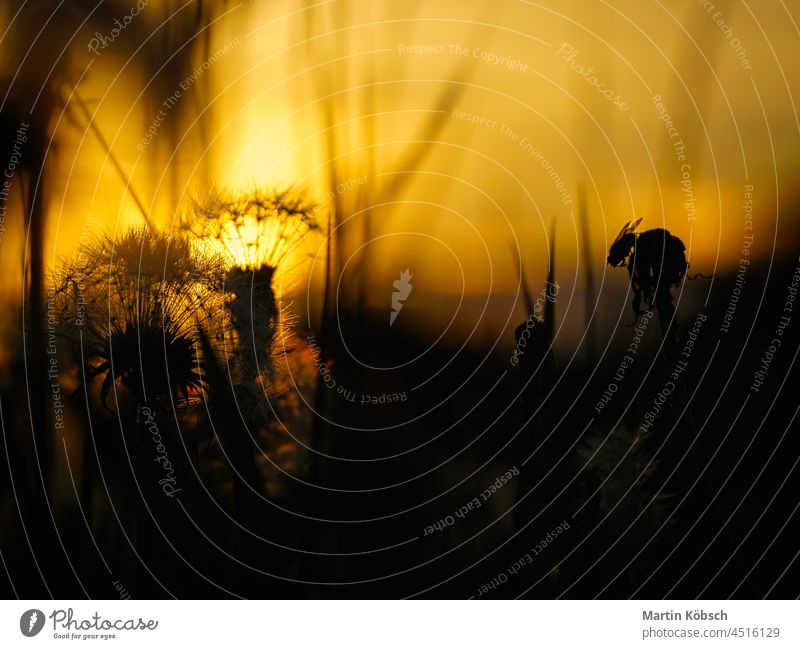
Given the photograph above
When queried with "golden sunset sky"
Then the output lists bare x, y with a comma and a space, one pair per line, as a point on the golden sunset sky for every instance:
452, 128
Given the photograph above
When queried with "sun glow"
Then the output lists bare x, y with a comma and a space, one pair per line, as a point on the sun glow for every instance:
253, 230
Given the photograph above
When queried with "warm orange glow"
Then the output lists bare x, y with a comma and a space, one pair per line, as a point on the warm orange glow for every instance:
344, 102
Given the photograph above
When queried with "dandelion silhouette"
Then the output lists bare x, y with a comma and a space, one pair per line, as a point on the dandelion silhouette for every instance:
134, 306
252, 229
619, 487
138, 311
256, 233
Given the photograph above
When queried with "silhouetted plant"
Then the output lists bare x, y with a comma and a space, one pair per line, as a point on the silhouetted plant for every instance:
256, 228
619, 485
131, 309
256, 232
537, 333
535, 380
624, 467
656, 261
134, 310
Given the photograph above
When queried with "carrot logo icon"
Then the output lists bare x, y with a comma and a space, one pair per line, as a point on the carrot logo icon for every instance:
402, 291
31, 622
